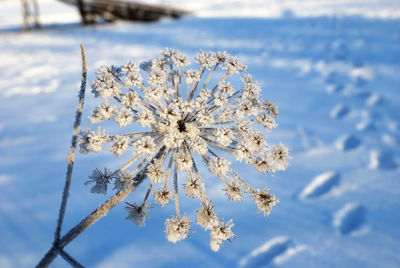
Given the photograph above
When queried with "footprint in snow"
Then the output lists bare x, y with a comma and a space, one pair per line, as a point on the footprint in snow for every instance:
337, 78
375, 100
359, 81
391, 140
394, 126
348, 142
334, 88
320, 185
363, 95
366, 125
340, 50
371, 115
275, 251
350, 218
340, 111
382, 160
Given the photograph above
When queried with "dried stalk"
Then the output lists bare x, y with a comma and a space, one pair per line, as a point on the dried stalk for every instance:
72, 151
68, 258
100, 212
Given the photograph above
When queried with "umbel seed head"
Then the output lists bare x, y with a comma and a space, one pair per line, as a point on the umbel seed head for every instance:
184, 113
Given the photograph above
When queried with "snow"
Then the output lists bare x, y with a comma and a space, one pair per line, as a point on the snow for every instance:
349, 218
321, 184
307, 61
288, 8
265, 254
365, 124
382, 160
340, 111
5, 179
348, 142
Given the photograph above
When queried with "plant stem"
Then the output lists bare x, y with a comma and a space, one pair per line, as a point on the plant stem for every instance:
97, 214
71, 155
68, 258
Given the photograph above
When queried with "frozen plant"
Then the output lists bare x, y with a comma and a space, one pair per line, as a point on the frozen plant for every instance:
184, 114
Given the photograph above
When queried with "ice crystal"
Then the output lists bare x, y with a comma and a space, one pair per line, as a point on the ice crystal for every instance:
187, 114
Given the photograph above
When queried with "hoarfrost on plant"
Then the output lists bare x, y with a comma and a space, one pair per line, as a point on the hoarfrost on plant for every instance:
186, 114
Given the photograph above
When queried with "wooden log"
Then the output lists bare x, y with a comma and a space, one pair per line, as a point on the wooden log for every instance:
122, 10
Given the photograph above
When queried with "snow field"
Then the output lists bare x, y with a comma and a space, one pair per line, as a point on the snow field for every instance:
335, 82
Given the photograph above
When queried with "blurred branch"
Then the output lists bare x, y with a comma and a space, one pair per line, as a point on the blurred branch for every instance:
30, 14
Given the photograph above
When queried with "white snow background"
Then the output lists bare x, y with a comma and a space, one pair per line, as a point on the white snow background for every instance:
333, 69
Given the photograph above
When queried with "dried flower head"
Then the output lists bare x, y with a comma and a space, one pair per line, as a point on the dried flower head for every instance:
162, 197
101, 180
137, 214
234, 192
264, 201
206, 216
123, 180
177, 228
183, 113
193, 186
220, 232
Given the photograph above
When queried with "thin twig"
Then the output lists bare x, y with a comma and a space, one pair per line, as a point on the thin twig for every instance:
97, 214
68, 258
71, 155
178, 214
147, 195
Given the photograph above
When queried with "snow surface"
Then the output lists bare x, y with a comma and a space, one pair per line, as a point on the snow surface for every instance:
321, 185
349, 218
307, 62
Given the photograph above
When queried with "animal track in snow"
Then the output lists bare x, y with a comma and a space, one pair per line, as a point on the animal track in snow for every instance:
265, 254
391, 140
321, 185
348, 142
382, 160
340, 111
363, 95
276, 251
334, 88
394, 126
375, 100
366, 125
349, 218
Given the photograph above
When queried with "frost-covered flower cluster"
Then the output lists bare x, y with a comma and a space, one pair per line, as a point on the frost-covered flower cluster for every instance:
184, 114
